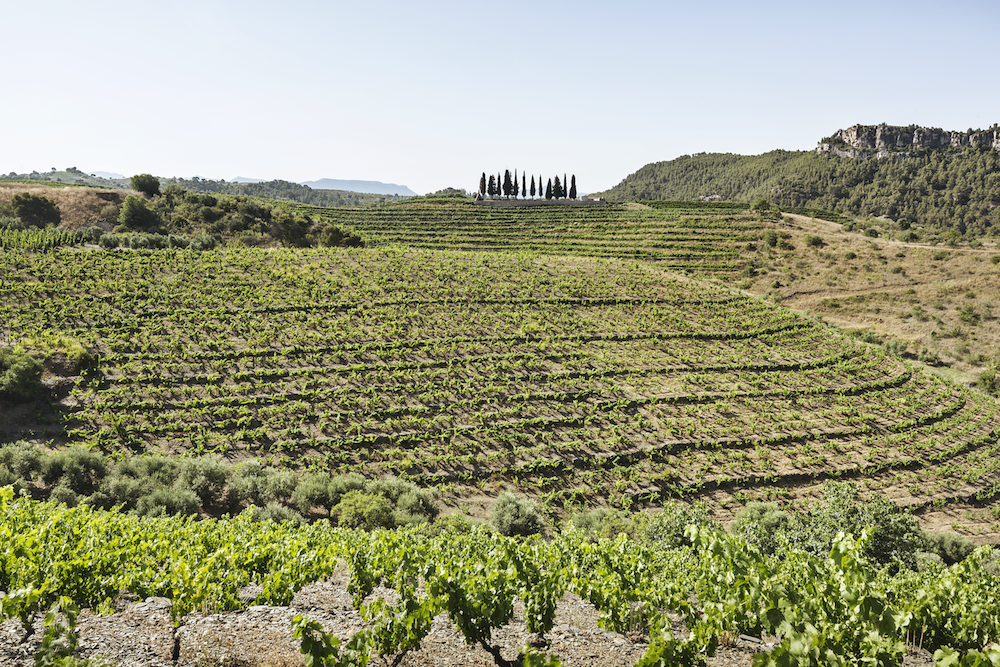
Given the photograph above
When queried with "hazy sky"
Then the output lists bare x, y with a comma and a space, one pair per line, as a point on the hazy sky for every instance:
431, 94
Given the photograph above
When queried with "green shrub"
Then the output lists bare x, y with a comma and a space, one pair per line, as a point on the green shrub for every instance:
989, 382
897, 535
79, 468
452, 524
666, 527
951, 547
9, 478
20, 375
850, 255
871, 232
35, 210
517, 516
136, 216
312, 491
995, 259
169, 501
760, 204
22, 458
206, 476
813, 240
64, 495
358, 509
602, 523
147, 184
275, 512
761, 524
771, 238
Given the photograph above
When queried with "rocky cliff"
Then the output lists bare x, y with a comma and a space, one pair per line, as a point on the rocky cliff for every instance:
894, 141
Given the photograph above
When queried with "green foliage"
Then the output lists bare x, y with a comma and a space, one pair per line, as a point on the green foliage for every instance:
813, 240
275, 512
516, 516
762, 524
760, 204
667, 527
358, 509
35, 210
771, 238
951, 547
332, 237
136, 216
79, 469
20, 375
147, 184
896, 535
989, 382
168, 501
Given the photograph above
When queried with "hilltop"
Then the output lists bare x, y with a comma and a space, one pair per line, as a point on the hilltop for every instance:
921, 178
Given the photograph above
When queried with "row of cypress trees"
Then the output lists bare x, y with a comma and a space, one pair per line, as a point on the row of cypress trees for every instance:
508, 187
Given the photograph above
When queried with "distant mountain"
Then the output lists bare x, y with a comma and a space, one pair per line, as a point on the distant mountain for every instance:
107, 174
373, 187
364, 187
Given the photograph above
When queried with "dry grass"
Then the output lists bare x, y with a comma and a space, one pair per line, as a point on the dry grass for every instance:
936, 299
80, 207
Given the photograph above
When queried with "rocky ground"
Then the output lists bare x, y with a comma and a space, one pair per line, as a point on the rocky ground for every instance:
140, 634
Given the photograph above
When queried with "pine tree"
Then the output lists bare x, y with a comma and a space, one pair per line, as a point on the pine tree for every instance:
532, 186
548, 189
482, 184
572, 188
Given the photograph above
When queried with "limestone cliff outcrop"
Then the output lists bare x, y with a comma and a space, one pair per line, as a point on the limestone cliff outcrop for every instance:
886, 141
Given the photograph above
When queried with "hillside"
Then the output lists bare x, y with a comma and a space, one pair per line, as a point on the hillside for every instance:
927, 189
574, 381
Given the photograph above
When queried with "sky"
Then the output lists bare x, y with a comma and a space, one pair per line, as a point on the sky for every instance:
432, 94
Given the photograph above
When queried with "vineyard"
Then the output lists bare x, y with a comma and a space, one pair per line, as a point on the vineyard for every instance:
575, 381
691, 237
566, 355
684, 600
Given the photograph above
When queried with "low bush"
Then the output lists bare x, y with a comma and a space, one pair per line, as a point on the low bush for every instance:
275, 512
20, 375
80, 469
358, 509
169, 501
666, 527
517, 516
761, 524
950, 547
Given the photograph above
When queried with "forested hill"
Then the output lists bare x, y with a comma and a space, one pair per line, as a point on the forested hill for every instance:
285, 190
955, 188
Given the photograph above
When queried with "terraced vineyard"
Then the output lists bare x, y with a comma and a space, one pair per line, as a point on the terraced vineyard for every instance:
568, 379
693, 238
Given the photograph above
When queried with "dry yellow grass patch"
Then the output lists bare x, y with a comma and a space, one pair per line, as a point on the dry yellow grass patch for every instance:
938, 301
80, 207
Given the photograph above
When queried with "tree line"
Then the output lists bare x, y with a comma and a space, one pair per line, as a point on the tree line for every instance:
506, 186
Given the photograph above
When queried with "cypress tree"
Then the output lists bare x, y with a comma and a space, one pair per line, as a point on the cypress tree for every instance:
492, 187
524, 184
506, 183
515, 184
532, 186
482, 184
557, 189
548, 189
565, 185
572, 188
